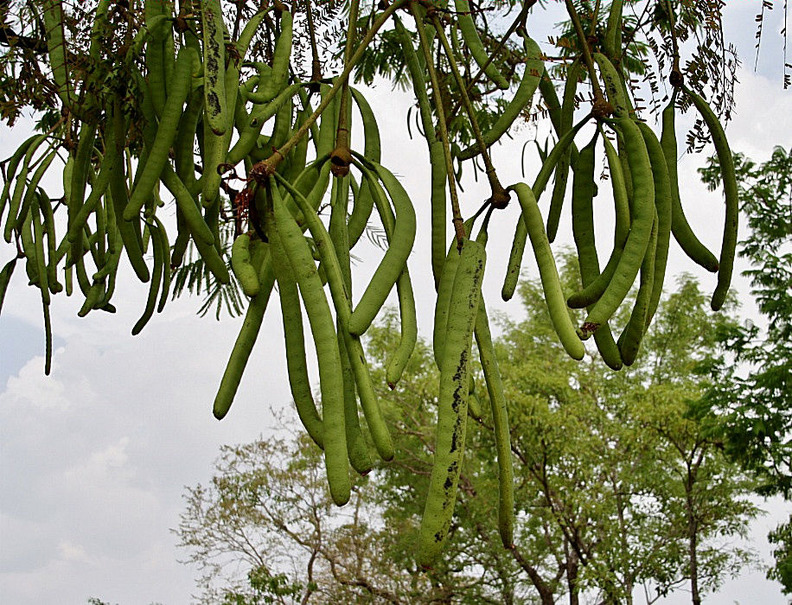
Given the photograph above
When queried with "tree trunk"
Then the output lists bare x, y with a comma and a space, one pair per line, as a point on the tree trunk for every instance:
692, 545
572, 569
545, 592
692, 530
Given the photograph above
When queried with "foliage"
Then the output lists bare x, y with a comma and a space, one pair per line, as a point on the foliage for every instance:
752, 392
266, 530
616, 482
759, 398
781, 538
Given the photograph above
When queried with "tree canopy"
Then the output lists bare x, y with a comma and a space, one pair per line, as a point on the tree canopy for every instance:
619, 488
751, 390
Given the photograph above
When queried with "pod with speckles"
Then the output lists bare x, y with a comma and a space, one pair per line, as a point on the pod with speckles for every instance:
452, 404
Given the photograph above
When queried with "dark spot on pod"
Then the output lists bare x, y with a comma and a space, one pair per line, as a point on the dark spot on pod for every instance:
456, 399
461, 365
214, 102
455, 434
451, 471
213, 65
587, 329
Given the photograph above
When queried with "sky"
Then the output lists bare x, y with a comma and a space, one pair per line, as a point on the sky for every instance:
94, 459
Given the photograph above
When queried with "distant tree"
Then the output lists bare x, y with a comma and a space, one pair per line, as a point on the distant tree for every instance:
752, 389
266, 531
618, 487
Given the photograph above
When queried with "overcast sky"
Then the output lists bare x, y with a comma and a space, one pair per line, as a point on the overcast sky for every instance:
95, 457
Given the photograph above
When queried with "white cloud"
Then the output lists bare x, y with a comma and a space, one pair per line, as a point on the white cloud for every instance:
47, 393
95, 457
70, 552
106, 465
763, 118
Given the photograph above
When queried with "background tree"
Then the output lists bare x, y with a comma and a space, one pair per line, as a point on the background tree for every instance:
619, 487
266, 530
621, 468
752, 389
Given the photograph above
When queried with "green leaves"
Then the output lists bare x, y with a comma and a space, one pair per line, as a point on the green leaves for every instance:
755, 402
751, 394
194, 278
611, 472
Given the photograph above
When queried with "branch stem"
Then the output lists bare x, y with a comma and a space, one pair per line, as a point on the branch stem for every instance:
268, 166
499, 197
573, 15
442, 126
